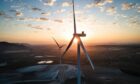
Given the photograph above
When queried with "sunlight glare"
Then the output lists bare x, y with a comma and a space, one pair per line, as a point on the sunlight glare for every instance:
75, 40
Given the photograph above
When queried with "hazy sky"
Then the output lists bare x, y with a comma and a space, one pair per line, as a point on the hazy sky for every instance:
104, 21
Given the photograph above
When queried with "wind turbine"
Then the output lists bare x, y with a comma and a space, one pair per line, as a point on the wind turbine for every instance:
58, 45
61, 73
79, 45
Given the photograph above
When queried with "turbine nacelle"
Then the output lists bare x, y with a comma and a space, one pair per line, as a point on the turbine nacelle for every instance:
82, 34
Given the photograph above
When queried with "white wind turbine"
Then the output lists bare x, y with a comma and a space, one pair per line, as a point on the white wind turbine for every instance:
58, 45
79, 45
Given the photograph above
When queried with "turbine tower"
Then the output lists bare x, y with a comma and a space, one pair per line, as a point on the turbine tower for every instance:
79, 45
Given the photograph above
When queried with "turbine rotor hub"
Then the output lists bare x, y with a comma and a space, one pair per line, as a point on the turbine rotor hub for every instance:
80, 34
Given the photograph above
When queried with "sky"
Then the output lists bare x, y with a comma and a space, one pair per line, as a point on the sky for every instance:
36, 21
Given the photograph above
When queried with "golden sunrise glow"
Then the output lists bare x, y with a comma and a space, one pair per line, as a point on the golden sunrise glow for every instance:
32, 25
75, 40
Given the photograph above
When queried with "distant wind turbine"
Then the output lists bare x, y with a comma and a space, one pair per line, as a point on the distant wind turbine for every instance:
61, 73
58, 45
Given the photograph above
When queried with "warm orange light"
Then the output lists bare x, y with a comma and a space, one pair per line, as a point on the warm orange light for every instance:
75, 40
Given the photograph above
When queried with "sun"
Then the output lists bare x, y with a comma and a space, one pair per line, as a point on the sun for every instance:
75, 40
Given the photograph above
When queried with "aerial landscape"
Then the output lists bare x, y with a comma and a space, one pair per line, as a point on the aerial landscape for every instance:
69, 41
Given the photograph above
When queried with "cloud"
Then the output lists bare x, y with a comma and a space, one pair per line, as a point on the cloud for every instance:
35, 27
48, 29
132, 18
33, 19
88, 6
19, 13
29, 25
46, 14
48, 2
13, 10
21, 19
134, 21
98, 3
66, 4
17, 5
57, 20
138, 9
60, 11
8, 0
40, 27
109, 1
127, 6
122, 15
79, 12
44, 19
102, 2
111, 10
102, 9
119, 16
7, 17
2, 13
36, 9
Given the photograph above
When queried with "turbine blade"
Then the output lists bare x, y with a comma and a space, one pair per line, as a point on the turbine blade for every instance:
87, 55
56, 42
62, 45
51, 34
74, 20
70, 43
